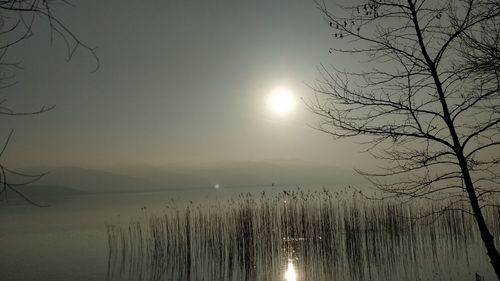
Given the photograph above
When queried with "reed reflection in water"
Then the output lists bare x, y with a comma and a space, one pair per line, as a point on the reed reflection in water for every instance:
299, 235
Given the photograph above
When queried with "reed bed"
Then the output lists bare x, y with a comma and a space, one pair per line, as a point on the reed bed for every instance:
325, 235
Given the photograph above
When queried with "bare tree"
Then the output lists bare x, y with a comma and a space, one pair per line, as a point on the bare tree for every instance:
17, 20
427, 102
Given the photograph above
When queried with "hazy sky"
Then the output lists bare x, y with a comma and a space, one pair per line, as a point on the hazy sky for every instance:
179, 82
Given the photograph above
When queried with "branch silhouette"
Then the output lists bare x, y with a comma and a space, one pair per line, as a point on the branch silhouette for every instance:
426, 102
18, 18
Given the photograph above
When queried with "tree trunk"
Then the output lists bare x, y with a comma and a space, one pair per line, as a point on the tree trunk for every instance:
457, 147
486, 236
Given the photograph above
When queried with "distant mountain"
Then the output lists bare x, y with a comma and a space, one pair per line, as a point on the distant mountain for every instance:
143, 177
89, 180
244, 174
163, 177
48, 190
279, 173
42, 194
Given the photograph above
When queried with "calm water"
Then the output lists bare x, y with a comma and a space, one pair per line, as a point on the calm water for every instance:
69, 241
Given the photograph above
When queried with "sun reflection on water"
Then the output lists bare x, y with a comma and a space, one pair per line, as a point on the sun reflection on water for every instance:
290, 274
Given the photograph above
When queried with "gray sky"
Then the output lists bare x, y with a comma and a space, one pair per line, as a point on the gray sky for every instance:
180, 82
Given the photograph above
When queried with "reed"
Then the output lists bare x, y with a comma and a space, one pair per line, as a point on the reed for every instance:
326, 235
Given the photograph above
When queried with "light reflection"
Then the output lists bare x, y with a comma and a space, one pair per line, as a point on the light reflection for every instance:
290, 274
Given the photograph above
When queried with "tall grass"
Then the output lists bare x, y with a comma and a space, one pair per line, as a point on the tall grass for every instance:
326, 236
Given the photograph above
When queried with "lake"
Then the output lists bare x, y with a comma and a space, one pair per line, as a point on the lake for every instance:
232, 237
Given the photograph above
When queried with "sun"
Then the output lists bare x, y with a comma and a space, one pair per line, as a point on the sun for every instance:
281, 101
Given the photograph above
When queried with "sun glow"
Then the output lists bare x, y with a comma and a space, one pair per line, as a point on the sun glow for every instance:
281, 101
290, 274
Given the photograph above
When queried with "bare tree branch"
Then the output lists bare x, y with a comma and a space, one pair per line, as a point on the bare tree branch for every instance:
428, 99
